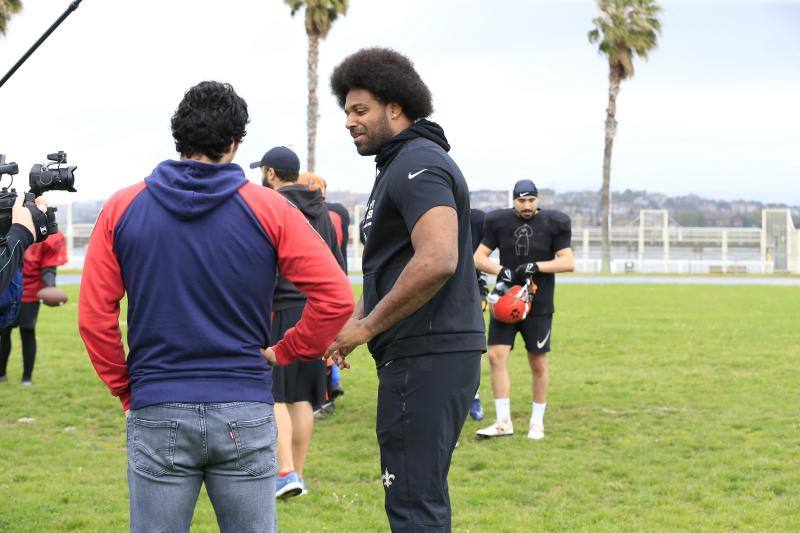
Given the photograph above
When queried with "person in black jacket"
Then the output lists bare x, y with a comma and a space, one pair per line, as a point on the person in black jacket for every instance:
26, 228
420, 310
299, 386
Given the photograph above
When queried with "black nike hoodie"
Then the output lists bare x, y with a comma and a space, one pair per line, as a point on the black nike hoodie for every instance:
416, 174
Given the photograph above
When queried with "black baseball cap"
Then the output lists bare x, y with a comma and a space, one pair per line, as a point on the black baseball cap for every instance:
280, 157
525, 188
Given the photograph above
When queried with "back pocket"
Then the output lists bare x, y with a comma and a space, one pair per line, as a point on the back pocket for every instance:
154, 445
255, 445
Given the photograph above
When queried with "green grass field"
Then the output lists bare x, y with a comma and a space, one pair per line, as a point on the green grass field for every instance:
671, 408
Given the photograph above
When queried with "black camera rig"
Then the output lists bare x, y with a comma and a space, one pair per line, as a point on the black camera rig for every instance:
52, 176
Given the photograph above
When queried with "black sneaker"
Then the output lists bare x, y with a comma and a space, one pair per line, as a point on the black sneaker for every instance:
335, 391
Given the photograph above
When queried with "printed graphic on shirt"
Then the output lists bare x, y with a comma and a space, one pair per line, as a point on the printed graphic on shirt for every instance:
522, 245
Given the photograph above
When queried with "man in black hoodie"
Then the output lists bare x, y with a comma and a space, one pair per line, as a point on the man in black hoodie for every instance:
420, 311
299, 386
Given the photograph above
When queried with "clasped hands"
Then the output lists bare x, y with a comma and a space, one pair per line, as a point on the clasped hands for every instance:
354, 333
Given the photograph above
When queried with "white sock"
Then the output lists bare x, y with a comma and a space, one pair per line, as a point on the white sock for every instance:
502, 406
477, 395
537, 416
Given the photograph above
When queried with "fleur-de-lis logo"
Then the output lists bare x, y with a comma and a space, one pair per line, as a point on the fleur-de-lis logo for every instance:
387, 478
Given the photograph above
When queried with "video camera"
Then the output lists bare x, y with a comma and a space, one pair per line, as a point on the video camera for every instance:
52, 176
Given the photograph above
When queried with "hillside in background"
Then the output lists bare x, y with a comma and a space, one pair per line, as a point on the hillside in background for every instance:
582, 206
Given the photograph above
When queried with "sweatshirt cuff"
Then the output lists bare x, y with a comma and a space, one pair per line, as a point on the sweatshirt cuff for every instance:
281, 355
21, 233
125, 399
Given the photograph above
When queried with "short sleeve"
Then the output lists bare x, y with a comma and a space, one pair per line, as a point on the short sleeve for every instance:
563, 234
421, 191
489, 238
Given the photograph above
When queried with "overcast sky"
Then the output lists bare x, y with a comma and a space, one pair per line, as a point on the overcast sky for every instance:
517, 87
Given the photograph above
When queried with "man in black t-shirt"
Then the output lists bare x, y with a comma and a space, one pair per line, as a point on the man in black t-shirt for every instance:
534, 243
420, 309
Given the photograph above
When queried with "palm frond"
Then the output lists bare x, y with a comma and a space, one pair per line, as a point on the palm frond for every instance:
8, 8
320, 14
624, 29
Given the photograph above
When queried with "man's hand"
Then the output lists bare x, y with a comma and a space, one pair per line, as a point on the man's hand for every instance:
483, 289
127, 413
269, 355
526, 270
21, 215
354, 333
505, 276
483, 285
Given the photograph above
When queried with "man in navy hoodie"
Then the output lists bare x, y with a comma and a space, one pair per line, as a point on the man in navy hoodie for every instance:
196, 248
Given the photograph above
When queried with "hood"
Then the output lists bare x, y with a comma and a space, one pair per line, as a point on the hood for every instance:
308, 201
421, 128
189, 189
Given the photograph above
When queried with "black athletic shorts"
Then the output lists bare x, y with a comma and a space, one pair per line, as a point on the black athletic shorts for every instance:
28, 313
297, 381
535, 332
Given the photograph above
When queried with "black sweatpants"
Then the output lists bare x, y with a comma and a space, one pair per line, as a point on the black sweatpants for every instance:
26, 321
423, 402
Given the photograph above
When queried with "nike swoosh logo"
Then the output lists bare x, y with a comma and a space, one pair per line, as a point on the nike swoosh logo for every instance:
540, 345
415, 174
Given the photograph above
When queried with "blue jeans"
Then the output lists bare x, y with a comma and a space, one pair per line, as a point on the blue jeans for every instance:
173, 448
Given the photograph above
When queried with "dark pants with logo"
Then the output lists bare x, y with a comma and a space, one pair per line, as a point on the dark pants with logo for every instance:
423, 402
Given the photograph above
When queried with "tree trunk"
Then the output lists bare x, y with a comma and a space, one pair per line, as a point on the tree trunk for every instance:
611, 131
311, 120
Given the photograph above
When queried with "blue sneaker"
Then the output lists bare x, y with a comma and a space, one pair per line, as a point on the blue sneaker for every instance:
303, 483
288, 485
476, 409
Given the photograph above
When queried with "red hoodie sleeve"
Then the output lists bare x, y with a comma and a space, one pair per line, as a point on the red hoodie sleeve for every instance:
305, 260
101, 292
55, 253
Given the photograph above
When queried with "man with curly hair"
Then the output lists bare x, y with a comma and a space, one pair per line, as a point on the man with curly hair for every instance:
420, 310
196, 248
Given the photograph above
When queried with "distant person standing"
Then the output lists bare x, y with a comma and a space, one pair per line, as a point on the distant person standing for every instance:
341, 224
534, 243
476, 218
38, 271
420, 309
300, 386
339, 214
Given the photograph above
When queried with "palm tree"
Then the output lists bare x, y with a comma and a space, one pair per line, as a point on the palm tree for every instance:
320, 15
624, 29
8, 8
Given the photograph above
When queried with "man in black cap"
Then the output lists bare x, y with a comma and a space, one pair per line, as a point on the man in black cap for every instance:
420, 310
300, 385
534, 243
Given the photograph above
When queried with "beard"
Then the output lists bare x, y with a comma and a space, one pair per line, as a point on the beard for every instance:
377, 139
525, 214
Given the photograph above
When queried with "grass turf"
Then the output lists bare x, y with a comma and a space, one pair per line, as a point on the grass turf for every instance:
670, 408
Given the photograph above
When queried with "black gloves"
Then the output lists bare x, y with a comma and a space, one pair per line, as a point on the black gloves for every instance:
43, 223
483, 289
505, 276
483, 285
526, 270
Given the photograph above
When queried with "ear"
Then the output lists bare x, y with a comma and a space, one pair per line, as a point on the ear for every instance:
394, 110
